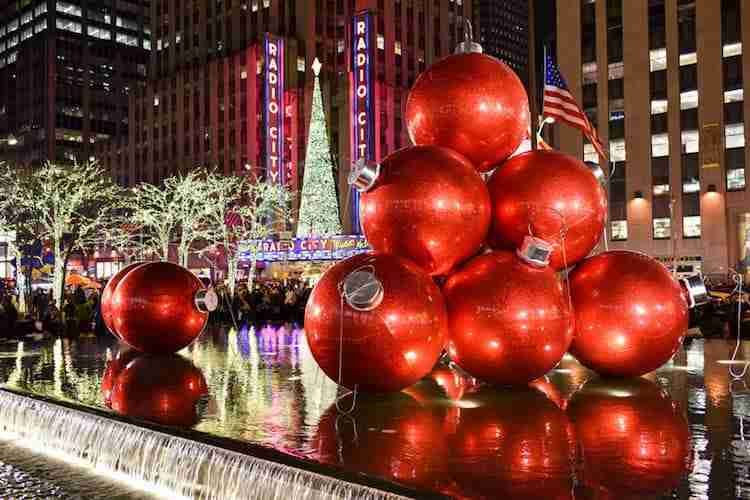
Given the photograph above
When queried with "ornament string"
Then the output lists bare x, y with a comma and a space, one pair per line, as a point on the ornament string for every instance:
739, 281
343, 296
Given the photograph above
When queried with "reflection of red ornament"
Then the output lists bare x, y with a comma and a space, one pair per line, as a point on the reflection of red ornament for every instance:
428, 205
113, 369
393, 437
547, 388
511, 444
631, 315
510, 323
387, 345
634, 441
106, 300
547, 193
154, 308
471, 103
453, 383
163, 389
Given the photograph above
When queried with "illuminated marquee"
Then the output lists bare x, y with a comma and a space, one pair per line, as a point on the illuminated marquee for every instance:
274, 109
362, 100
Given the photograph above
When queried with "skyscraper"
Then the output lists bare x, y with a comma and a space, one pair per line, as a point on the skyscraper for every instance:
66, 69
664, 81
503, 31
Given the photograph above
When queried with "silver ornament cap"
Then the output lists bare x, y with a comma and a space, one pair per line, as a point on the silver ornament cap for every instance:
362, 290
468, 46
207, 300
697, 294
535, 251
364, 174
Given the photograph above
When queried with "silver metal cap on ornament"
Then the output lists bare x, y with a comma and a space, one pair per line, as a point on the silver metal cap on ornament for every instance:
364, 175
696, 292
598, 172
468, 46
535, 251
206, 300
362, 290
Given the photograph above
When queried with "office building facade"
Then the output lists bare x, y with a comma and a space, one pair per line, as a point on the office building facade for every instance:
503, 30
66, 71
663, 81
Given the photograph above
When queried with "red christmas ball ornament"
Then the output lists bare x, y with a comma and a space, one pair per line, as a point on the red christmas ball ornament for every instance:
472, 103
631, 315
392, 437
163, 389
634, 440
551, 196
379, 320
426, 204
106, 300
511, 444
509, 322
160, 307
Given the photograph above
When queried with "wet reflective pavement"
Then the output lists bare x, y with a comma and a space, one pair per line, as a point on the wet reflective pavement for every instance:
680, 432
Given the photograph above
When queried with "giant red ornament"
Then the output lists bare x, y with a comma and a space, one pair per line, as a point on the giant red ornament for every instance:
390, 341
634, 440
551, 196
155, 308
163, 389
471, 103
510, 444
631, 315
113, 369
510, 323
109, 290
429, 205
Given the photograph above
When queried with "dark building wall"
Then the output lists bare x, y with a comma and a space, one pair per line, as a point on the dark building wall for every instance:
66, 70
503, 31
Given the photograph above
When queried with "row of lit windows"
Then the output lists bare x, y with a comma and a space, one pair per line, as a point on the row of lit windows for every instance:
662, 228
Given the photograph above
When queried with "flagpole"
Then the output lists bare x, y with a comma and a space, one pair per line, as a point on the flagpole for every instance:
533, 94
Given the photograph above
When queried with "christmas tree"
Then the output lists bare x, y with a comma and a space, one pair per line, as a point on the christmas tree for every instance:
319, 208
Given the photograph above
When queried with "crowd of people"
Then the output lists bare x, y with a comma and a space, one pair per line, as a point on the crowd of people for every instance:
264, 302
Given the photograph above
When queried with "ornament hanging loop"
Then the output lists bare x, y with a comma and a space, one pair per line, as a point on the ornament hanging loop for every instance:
468, 46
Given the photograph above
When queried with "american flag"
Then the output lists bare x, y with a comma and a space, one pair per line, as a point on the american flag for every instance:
560, 104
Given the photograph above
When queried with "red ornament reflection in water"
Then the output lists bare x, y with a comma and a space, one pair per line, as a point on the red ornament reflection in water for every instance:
634, 439
162, 389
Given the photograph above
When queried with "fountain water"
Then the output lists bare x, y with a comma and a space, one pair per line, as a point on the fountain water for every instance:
161, 462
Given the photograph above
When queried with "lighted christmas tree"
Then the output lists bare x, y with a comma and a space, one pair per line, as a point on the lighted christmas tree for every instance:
319, 208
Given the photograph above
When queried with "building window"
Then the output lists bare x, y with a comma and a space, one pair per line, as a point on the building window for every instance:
690, 141
619, 230
396, 47
734, 160
615, 70
97, 32
68, 8
734, 136
381, 42
617, 151
590, 73
662, 228
68, 25
732, 49
658, 60
689, 99
659, 106
589, 153
659, 145
300, 64
688, 59
691, 226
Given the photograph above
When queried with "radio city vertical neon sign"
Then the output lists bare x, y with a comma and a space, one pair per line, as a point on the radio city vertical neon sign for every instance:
274, 109
362, 100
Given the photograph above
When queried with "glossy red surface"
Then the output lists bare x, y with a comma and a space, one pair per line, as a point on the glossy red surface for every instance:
471, 103
543, 192
162, 389
153, 308
509, 323
393, 437
428, 205
388, 348
634, 440
452, 382
510, 444
631, 315
109, 290
113, 369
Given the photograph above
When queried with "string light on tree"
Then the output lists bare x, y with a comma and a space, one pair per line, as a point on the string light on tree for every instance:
319, 208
